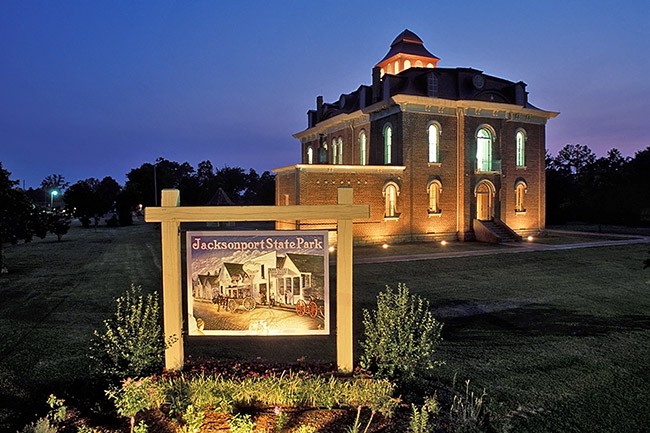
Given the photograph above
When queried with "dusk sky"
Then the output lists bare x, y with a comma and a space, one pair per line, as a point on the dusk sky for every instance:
96, 88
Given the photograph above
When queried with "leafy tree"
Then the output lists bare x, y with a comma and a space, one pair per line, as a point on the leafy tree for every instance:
54, 182
260, 190
58, 223
90, 199
15, 213
145, 182
573, 159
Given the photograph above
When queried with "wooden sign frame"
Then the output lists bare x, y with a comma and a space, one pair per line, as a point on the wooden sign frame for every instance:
170, 215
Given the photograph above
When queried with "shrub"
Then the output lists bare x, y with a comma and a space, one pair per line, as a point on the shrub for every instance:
242, 424
400, 337
135, 396
131, 344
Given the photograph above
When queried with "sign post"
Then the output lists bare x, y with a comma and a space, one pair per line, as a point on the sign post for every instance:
170, 215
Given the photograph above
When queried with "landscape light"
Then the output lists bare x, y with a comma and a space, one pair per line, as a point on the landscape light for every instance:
530, 238
443, 243
385, 246
331, 248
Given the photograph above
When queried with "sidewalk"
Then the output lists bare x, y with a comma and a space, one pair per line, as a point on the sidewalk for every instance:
522, 247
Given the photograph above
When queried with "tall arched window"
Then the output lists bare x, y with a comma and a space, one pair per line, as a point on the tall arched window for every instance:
323, 153
433, 133
340, 146
388, 144
363, 148
484, 150
310, 155
335, 152
434, 189
520, 138
520, 192
391, 192
407, 64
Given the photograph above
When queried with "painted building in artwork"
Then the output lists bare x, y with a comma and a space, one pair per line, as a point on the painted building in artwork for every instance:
437, 153
269, 279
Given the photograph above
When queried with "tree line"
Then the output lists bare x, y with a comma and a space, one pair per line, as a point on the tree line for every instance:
579, 187
35, 212
612, 189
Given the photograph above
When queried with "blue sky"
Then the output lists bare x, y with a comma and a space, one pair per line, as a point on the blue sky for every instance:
96, 88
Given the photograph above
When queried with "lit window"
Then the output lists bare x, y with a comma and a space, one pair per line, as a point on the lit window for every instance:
484, 150
429, 65
407, 64
520, 192
396, 67
390, 199
340, 146
363, 148
434, 190
418, 63
434, 142
335, 153
310, 155
521, 148
388, 144
323, 156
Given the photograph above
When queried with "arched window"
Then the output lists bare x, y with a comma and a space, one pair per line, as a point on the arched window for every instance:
484, 149
388, 144
434, 189
407, 64
340, 146
520, 192
335, 152
323, 154
396, 67
363, 148
433, 133
418, 63
391, 191
310, 155
520, 138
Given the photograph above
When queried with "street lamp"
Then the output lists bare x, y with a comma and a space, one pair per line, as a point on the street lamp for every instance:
52, 194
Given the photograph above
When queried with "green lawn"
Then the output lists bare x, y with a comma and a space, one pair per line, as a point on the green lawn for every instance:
559, 339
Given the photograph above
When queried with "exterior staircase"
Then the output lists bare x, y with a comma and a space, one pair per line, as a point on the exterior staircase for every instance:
494, 231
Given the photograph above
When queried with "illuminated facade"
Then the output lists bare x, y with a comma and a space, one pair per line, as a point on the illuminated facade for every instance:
437, 153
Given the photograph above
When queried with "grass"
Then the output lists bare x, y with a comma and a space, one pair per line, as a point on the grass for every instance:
559, 339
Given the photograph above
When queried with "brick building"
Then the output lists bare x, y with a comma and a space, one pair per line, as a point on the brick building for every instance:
437, 153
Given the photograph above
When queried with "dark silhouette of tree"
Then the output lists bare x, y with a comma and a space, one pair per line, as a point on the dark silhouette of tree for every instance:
612, 189
260, 190
54, 182
145, 182
15, 213
90, 199
58, 223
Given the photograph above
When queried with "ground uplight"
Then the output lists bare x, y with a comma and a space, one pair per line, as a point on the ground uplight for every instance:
443, 243
529, 238
331, 249
385, 246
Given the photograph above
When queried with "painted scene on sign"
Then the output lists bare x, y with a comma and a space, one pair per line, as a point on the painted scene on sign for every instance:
258, 283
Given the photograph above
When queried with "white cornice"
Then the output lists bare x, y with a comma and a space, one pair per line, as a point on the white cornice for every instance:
423, 104
448, 107
331, 168
333, 124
